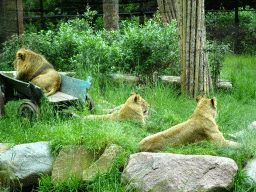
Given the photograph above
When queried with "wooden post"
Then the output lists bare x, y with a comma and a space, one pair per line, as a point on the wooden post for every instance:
168, 10
11, 19
20, 17
141, 16
237, 40
110, 14
195, 72
42, 14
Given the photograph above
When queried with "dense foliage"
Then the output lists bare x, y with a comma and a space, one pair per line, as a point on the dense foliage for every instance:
220, 27
74, 44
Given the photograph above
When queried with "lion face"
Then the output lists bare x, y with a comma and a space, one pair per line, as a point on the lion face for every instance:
139, 101
19, 58
144, 106
15, 63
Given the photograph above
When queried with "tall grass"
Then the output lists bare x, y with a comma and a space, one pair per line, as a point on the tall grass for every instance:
236, 110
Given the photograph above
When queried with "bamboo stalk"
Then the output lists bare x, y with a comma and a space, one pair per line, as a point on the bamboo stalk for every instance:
184, 18
160, 7
188, 45
168, 11
192, 49
207, 61
198, 47
201, 74
180, 33
171, 5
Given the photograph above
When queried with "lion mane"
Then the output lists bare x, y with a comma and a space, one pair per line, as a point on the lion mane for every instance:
35, 68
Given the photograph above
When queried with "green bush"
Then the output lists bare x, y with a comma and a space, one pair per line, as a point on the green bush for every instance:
58, 47
133, 49
225, 21
216, 53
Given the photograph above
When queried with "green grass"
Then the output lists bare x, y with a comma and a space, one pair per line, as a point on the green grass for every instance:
236, 110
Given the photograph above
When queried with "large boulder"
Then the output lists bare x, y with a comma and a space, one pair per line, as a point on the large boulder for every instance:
103, 164
251, 127
23, 164
250, 170
71, 162
175, 172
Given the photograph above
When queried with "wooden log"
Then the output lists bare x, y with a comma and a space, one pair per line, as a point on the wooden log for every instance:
192, 47
110, 14
188, 41
198, 49
225, 84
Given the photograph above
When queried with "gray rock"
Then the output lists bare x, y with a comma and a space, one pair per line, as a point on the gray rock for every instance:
23, 164
103, 164
250, 127
175, 172
71, 162
250, 170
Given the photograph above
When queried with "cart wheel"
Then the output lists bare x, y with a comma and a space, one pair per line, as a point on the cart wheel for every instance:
91, 104
2, 109
28, 111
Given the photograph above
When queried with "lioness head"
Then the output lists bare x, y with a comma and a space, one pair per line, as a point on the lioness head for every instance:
207, 105
136, 98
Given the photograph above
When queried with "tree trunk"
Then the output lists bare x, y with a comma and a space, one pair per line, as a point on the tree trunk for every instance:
167, 10
190, 14
195, 72
11, 19
110, 14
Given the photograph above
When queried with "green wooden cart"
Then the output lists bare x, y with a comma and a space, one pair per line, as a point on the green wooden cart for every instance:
72, 92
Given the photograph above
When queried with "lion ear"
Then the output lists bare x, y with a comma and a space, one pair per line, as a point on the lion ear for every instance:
214, 102
132, 93
198, 98
22, 56
136, 98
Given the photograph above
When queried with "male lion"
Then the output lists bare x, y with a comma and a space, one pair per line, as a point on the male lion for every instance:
134, 108
34, 67
200, 126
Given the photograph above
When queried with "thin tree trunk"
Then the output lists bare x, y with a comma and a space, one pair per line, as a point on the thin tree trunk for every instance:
195, 72
110, 14
168, 10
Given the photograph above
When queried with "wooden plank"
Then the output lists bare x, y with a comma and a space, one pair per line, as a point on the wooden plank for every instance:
61, 97
29, 90
75, 87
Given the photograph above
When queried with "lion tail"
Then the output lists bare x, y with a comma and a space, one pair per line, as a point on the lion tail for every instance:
54, 90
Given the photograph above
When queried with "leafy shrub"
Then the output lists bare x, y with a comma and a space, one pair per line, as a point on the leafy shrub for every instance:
133, 49
58, 47
148, 48
99, 23
224, 21
219, 19
216, 52
136, 49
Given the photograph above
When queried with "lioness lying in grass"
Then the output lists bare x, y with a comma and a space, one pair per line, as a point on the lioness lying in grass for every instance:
200, 126
135, 108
